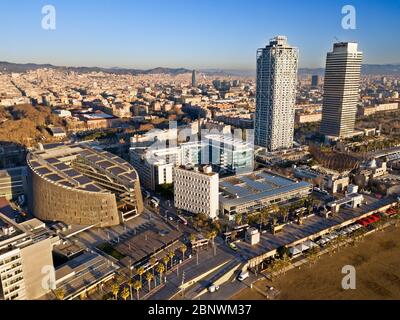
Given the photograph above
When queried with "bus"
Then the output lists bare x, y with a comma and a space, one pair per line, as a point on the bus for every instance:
183, 220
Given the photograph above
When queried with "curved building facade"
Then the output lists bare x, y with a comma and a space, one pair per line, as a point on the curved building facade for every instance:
80, 185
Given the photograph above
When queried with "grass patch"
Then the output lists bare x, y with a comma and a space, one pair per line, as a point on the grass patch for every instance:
110, 250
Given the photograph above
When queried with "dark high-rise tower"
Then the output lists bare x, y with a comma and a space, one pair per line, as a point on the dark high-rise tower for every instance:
194, 81
315, 81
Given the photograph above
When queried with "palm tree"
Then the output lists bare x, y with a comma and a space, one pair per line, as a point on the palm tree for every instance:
284, 214
130, 284
171, 256
149, 278
115, 290
238, 218
140, 272
125, 293
59, 293
166, 260
160, 269
274, 221
233, 235
137, 286
211, 236
183, 249
153, 262
192, 238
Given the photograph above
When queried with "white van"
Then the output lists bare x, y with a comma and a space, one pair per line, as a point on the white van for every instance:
243, 275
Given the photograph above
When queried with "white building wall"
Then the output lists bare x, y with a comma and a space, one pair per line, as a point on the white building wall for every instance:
196, 192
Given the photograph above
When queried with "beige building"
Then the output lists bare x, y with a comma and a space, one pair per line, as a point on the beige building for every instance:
367, 111
302, 117
25, 258
79, 185
13, 182
196, 190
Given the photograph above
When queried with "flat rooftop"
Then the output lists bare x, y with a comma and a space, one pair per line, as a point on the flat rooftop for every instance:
256, 186
83, 271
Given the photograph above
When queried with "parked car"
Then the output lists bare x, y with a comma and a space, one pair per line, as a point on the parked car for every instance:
243, 275
233, 246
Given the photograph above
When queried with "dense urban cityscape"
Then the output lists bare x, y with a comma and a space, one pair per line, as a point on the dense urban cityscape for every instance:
182, 184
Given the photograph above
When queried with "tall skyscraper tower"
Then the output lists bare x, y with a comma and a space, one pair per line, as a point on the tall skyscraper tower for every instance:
194, 81
315, 81
341, 89
276, 94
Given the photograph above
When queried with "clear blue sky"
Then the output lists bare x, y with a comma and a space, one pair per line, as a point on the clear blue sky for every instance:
191, 33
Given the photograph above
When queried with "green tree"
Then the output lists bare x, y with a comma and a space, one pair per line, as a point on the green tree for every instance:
166, 260
238, 219
171, 255
160, 270
137, 286
125, 293
130, 285
153, 262
183, 249
115, 290
59, 293
140, 272
149, 277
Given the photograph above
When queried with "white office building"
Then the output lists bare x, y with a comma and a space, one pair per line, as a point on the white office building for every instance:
341, 90
196, 190
277, 65
155, 162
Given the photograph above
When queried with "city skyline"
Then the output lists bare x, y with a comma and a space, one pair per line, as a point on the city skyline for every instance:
112, 35
211, 151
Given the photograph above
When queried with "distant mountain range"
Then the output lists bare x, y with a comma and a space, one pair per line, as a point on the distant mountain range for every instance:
367, 69
18, 67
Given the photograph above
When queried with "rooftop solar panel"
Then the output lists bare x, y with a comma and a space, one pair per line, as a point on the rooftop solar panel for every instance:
35, 164
52, 160
119, 160
92, 188
72, 173
54, 177
129, 176
66, 184
117, 171
94, 158
83, 180
43, 171
105, 164
61, 166
85, 153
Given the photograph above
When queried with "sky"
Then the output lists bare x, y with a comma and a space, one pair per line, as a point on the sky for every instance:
222, 34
